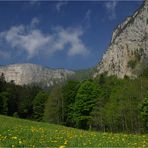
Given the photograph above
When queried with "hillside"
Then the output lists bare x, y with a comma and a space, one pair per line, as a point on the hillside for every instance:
18, 132
83, 74
22, 74
127, 53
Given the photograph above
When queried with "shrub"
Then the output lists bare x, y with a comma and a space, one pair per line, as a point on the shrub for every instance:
132, 64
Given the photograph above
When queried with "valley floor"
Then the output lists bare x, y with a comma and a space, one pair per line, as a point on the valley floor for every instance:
19, 133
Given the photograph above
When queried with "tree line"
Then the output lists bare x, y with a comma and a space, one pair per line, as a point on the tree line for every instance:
102, 104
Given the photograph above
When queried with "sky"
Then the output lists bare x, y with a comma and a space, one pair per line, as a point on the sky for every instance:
59, 34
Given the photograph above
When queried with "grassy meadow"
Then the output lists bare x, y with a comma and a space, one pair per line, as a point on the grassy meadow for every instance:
21, 133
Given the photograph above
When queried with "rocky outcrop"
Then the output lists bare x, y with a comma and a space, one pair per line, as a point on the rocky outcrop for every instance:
23, 74
128, 50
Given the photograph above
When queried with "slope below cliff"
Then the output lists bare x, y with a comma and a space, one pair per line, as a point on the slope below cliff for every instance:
127, 53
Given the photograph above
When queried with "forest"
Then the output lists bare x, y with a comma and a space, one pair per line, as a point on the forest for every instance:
105, 103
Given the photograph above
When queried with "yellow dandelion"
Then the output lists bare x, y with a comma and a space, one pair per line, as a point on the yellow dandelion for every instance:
65, 142
14, 137
20, 142
62, 146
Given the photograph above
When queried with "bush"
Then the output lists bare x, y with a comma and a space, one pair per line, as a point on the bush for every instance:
144, 113
132, 64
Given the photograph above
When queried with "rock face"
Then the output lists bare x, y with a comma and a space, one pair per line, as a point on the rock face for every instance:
22, 74
128, 50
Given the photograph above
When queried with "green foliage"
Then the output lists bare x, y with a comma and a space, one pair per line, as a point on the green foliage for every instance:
141, 51
23, 133
84, 103
145, 73
83, 74
15, 115
38, 105
104, 107
53, 112
117, 105
121, 111
69, 92
104, 104
139, 54
144, 113
4, 96
2, 82
136, 59
25, 105
132, 64
102, 79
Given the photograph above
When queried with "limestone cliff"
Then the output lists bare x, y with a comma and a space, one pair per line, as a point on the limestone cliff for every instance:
30, 73
128, 50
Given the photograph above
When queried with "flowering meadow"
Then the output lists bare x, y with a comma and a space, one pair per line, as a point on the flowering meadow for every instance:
21, 133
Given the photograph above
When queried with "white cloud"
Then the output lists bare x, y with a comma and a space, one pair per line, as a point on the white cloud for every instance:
88, 13
35, 21
70, 36
60, 4
87, 18
111, 9
33, 41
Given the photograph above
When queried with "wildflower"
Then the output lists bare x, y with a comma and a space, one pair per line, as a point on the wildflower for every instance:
62, 146
20, 142
65, 142
14, 137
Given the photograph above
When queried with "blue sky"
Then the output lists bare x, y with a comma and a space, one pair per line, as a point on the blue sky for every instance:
59, 34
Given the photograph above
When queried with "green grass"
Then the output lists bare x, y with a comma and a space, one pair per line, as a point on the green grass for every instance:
19, 133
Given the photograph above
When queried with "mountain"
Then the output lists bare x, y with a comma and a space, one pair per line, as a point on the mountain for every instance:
23, 74
127, 53
83, 74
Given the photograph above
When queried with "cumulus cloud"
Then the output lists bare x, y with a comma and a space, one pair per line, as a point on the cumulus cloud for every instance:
60, 4
19, 37
33, 41
111, 9
70, 36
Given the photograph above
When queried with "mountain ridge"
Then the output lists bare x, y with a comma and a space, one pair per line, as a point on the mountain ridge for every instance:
27, 73
129, 41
